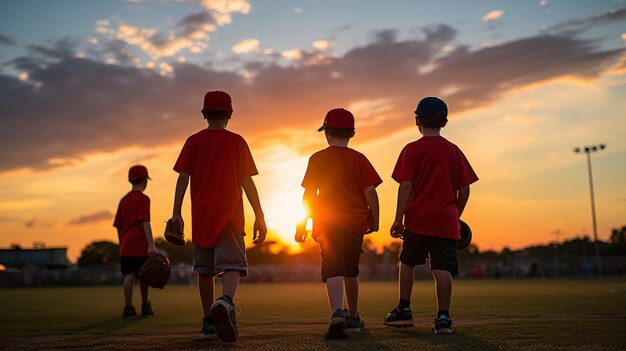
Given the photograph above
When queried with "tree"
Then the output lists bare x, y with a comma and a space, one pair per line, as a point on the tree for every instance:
618, 236
99, 252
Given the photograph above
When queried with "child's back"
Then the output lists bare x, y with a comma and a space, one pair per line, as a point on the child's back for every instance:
340, 191
434, 178
337, 173
443, 169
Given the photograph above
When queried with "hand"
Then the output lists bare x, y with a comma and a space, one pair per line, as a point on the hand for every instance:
178, 219
315, 235
301, 232
259, 231
373, 228
397, 228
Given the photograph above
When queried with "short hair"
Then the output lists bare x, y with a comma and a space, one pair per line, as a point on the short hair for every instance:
432, 122
212, 114
341, 133
135, 181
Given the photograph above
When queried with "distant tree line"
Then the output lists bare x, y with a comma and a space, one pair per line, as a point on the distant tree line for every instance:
272, 252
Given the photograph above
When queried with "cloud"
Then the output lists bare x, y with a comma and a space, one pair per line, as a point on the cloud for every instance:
493, 15
4, 40
37, 223
322, 44
92, 218
578, 25
295, 54
84, 106
247, 45
191, 32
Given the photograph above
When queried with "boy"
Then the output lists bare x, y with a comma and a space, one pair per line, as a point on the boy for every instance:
132, 221
220, 165
340, 195
434, 178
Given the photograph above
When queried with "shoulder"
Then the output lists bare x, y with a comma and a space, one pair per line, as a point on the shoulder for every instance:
451, 146
412, 146
319, 154
357, 155
143, 196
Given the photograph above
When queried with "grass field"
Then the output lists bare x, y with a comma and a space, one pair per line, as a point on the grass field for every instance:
488, 315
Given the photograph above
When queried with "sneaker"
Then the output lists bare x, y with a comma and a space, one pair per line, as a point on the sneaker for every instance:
225, 318
399, 318
208, 328
129, 311
337, 325
442, 325
146, 310
354, 323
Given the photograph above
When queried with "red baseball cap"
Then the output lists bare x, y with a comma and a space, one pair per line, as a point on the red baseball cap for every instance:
338, 118
138, 172
217, 101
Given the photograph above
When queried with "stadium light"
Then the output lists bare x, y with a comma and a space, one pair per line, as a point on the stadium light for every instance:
588, 150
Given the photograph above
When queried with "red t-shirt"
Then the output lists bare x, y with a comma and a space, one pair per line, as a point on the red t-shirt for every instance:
133, 210
341, 175
437, 169
217, 161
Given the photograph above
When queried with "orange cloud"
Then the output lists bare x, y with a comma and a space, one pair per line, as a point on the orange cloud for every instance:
493, 15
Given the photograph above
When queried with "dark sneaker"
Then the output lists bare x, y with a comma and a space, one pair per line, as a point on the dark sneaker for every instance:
208, 328
225, 318
337, 325
354, 323
399, 318
129, 311
442, 325
146, 310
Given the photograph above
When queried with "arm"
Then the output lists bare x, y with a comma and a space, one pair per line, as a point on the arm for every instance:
371, 197
148, 230
307, 201
181, 188
404, 192
260, 230
461, 199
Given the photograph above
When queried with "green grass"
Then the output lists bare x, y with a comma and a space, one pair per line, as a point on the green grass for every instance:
488, 315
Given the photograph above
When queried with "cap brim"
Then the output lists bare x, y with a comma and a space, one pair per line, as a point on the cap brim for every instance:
321, 128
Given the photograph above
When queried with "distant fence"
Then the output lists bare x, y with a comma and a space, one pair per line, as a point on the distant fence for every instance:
513, 268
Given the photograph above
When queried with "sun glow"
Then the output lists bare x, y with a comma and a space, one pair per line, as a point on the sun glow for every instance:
283, 212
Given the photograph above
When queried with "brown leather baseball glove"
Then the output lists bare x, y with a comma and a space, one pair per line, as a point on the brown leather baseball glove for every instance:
174, 233
155, 272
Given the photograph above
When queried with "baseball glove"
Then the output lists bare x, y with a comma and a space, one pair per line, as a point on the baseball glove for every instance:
174, 233
155, 272
466, 236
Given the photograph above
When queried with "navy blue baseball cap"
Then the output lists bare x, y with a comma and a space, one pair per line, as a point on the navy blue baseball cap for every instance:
432, 108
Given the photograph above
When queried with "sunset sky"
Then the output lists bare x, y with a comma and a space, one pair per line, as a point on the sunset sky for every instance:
89, 88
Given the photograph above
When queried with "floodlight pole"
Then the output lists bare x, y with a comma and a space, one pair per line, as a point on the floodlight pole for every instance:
588, 150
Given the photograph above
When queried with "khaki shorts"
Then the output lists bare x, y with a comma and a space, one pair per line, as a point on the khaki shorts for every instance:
228, 255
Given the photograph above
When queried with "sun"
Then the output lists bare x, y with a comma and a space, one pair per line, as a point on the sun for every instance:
282, 213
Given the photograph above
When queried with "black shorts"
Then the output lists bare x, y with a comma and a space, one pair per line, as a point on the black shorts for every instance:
416, 248
340, 250
131, 264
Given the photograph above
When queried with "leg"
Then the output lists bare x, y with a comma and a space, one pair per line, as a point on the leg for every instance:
334, 287
352, 295
337, 326
406, 281
144, 293
206, 284
129, 281
443, 283
230, 283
